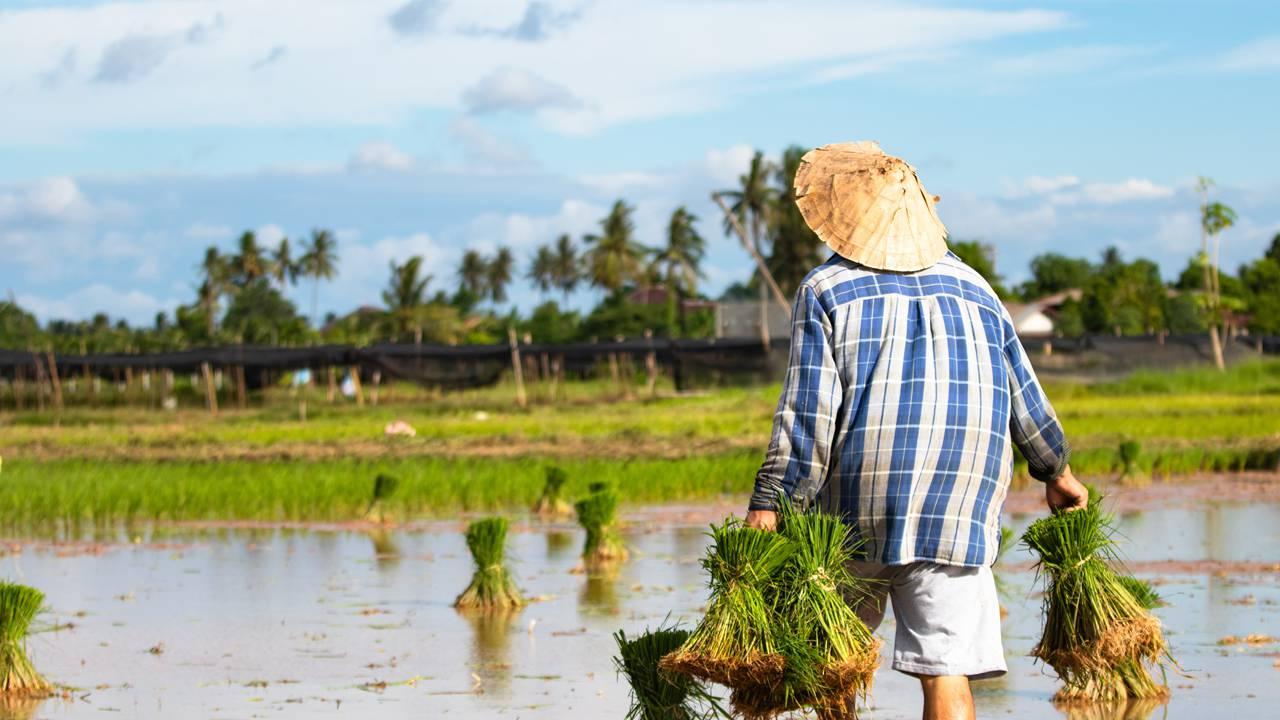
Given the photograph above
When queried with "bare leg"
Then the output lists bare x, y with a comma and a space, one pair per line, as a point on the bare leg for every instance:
947, 697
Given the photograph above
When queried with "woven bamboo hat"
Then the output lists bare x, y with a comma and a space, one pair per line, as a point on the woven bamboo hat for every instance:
870, 207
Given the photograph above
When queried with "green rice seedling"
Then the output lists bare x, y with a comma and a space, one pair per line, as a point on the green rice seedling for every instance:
831, 654
1142, 591
1098, 636
598, 486
19, 605
550, 503
658, 695
736, 644
491, 587
597, 513
384, 486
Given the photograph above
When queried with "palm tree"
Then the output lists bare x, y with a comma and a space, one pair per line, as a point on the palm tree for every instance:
319, 262
795, 248
542, 269
248, 263
216, 271
405, 295
1214, 218
679, 262
613, 258
498, 275
751, 203
566, 267
284, 269
473, 274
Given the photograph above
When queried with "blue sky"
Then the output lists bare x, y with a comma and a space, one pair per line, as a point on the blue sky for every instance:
134, 134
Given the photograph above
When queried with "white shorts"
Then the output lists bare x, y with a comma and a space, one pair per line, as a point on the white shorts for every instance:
948, 617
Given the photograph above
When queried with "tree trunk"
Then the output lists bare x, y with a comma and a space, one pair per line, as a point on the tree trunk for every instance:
1217, 348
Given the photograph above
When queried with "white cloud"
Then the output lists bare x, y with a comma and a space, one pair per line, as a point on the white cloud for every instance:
206, 231
1260, 54
623, 182
269, 235
607, 64
515, 90
277, 54
1069, 190
379, 156
724, 167
56, 199
365, 268
483, 147
133, 305
523, 231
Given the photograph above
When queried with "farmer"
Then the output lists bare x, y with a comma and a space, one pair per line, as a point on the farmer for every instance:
907, 388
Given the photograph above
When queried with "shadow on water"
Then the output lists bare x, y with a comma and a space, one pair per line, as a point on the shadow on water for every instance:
490, 661
386, 552
599, 594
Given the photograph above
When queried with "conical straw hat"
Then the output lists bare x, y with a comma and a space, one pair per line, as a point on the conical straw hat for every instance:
869, 207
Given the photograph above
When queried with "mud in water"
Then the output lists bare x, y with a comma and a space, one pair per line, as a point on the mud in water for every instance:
284, 622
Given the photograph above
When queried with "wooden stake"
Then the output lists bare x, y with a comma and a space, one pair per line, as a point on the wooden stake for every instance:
333, 385
39, 382
516, 367
210, 394
355, 382
628, 376
57, 381
377, 382
555, 378
19, 387
242, 387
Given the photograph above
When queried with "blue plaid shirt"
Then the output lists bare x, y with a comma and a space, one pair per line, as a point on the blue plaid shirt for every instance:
901, 399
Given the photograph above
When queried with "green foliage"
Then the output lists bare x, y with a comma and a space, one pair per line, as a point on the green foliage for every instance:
982, 258
260, 315
19, 606
794, 249
1261, 284
492, 587
550, 324
658, 695
1142, 591
1053, 273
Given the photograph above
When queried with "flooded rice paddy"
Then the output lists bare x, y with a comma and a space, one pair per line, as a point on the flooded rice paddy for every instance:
280, 622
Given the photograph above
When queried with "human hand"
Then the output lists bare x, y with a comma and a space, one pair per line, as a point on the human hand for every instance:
766, 520
1066, 493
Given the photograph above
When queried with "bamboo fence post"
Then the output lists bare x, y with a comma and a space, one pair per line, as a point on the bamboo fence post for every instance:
56, 381
377, 383
613, 369
19, 387
521, 399
650, 365
355, 382
332, 392
242, 389
555, 378
39, 382
628, 377
210, 394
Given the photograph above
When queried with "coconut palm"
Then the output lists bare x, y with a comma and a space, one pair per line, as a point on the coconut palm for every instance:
284, 269
249, 263
473, 274
1214, 218
405, 295
498, 274
216, 272
542, 269
319, 262
794, 247
751, 203
567, 266
613, 258
677, 264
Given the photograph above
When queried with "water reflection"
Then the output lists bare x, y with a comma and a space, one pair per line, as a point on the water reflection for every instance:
386, 552
17, 708
490, 661
1137, 709
599, 594
559, 544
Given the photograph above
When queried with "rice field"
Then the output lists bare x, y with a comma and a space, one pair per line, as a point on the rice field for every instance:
476, 452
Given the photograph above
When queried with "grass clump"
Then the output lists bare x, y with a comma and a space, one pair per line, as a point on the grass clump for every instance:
658, 695
1098, 636
492, 587
598, 515
737, 643
831, 654
1130, 451
550, 503
19, 605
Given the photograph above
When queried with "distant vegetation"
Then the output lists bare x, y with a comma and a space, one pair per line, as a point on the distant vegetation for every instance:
240, 295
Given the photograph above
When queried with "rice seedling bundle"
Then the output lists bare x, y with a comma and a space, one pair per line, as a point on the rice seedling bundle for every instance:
384, 486
1130, 451
655, 694
598, 513
19, 605
1098, 636
492, 587
737, 643
551, 502
831, 654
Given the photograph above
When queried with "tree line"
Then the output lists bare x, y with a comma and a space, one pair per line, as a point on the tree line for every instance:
241, 294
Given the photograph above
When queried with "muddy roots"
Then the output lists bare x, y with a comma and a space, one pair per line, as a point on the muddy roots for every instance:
757, 669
